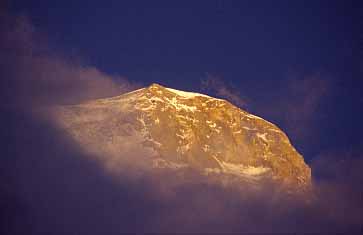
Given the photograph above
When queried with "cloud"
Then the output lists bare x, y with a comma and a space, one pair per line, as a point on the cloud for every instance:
49, 185
339, 178
33, 73
216, 85
57, 189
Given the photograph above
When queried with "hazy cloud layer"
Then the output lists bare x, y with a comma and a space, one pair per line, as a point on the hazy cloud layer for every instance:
51, 186
34, 73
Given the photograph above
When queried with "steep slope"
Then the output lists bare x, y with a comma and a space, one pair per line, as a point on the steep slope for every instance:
175, 130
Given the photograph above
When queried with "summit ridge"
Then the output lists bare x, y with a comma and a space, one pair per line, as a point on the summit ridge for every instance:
179, 130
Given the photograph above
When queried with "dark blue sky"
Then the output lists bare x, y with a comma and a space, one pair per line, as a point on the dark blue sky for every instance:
164, 40
255, 47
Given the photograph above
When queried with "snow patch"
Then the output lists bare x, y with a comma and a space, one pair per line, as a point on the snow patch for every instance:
212, 170
250, 172
250, 129
156, 99
185, 94
183, 149
178, 106
253, 116
140, 119
181, 136
161, 163
242, 170
186, 107
206, 148
157, 121
262, 136
211, 124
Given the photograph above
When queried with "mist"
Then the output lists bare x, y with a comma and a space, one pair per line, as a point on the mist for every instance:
34, 73
50, 185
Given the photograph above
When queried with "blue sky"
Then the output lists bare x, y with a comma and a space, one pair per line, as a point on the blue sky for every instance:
297, 64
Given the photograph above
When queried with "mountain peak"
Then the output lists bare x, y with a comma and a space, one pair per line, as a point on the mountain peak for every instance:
159, 89
180, 130
155, 86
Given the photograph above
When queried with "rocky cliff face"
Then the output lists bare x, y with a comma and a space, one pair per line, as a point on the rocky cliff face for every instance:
177, 130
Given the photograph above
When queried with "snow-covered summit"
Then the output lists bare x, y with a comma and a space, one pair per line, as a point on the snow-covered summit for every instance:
184, 94
179, 130
160, 89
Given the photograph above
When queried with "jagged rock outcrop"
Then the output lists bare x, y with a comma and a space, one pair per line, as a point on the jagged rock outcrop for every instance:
178, 130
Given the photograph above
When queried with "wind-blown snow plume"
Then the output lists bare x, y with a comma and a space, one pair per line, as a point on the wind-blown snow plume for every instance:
216, 85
